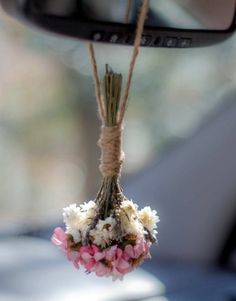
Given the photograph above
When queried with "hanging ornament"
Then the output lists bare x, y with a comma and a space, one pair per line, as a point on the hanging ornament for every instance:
109, 236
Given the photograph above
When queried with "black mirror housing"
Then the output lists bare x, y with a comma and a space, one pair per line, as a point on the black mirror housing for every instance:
112, 33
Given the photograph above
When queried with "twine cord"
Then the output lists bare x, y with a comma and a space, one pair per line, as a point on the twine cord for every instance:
137, 42
110, 141
128, 11
99, 97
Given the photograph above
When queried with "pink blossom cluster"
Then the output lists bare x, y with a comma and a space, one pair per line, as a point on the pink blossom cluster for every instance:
113, 261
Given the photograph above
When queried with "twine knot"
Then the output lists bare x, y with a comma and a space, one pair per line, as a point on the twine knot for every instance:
112, 155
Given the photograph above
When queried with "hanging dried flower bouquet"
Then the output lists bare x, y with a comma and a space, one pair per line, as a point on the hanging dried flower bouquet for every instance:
108, 236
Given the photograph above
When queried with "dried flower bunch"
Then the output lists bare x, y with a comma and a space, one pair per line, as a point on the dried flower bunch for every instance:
108, 236
115, 245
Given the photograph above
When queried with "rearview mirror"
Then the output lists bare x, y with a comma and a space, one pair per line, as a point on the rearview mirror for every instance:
170, 23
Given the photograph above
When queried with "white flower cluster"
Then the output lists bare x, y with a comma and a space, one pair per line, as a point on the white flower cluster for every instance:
132, 222
77, 219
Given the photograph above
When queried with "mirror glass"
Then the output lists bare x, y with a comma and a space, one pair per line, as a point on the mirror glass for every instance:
182, 14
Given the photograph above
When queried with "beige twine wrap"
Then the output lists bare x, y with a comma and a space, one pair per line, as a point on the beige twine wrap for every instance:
112, 156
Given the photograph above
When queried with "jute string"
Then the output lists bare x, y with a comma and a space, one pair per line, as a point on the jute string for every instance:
128, 11
110, 141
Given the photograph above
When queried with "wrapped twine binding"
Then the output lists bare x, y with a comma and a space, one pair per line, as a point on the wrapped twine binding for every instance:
112, 154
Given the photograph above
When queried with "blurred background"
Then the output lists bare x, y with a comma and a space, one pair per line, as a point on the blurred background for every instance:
48, 142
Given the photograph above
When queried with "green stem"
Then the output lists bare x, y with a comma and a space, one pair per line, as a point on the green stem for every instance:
112, 91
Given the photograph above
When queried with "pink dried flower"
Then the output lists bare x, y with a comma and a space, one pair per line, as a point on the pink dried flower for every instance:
120, 262
92, 258
112, 261
59, 239
140, 249
87, 256
74, 257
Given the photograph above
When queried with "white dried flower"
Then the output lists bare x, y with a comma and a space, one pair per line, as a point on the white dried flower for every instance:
86, 206
84, 224
71, 216
130, 223
75, 234
149, 219
91, 211
129, 207
104, 232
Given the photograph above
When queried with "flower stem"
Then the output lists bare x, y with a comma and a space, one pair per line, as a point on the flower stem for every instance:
112, 92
